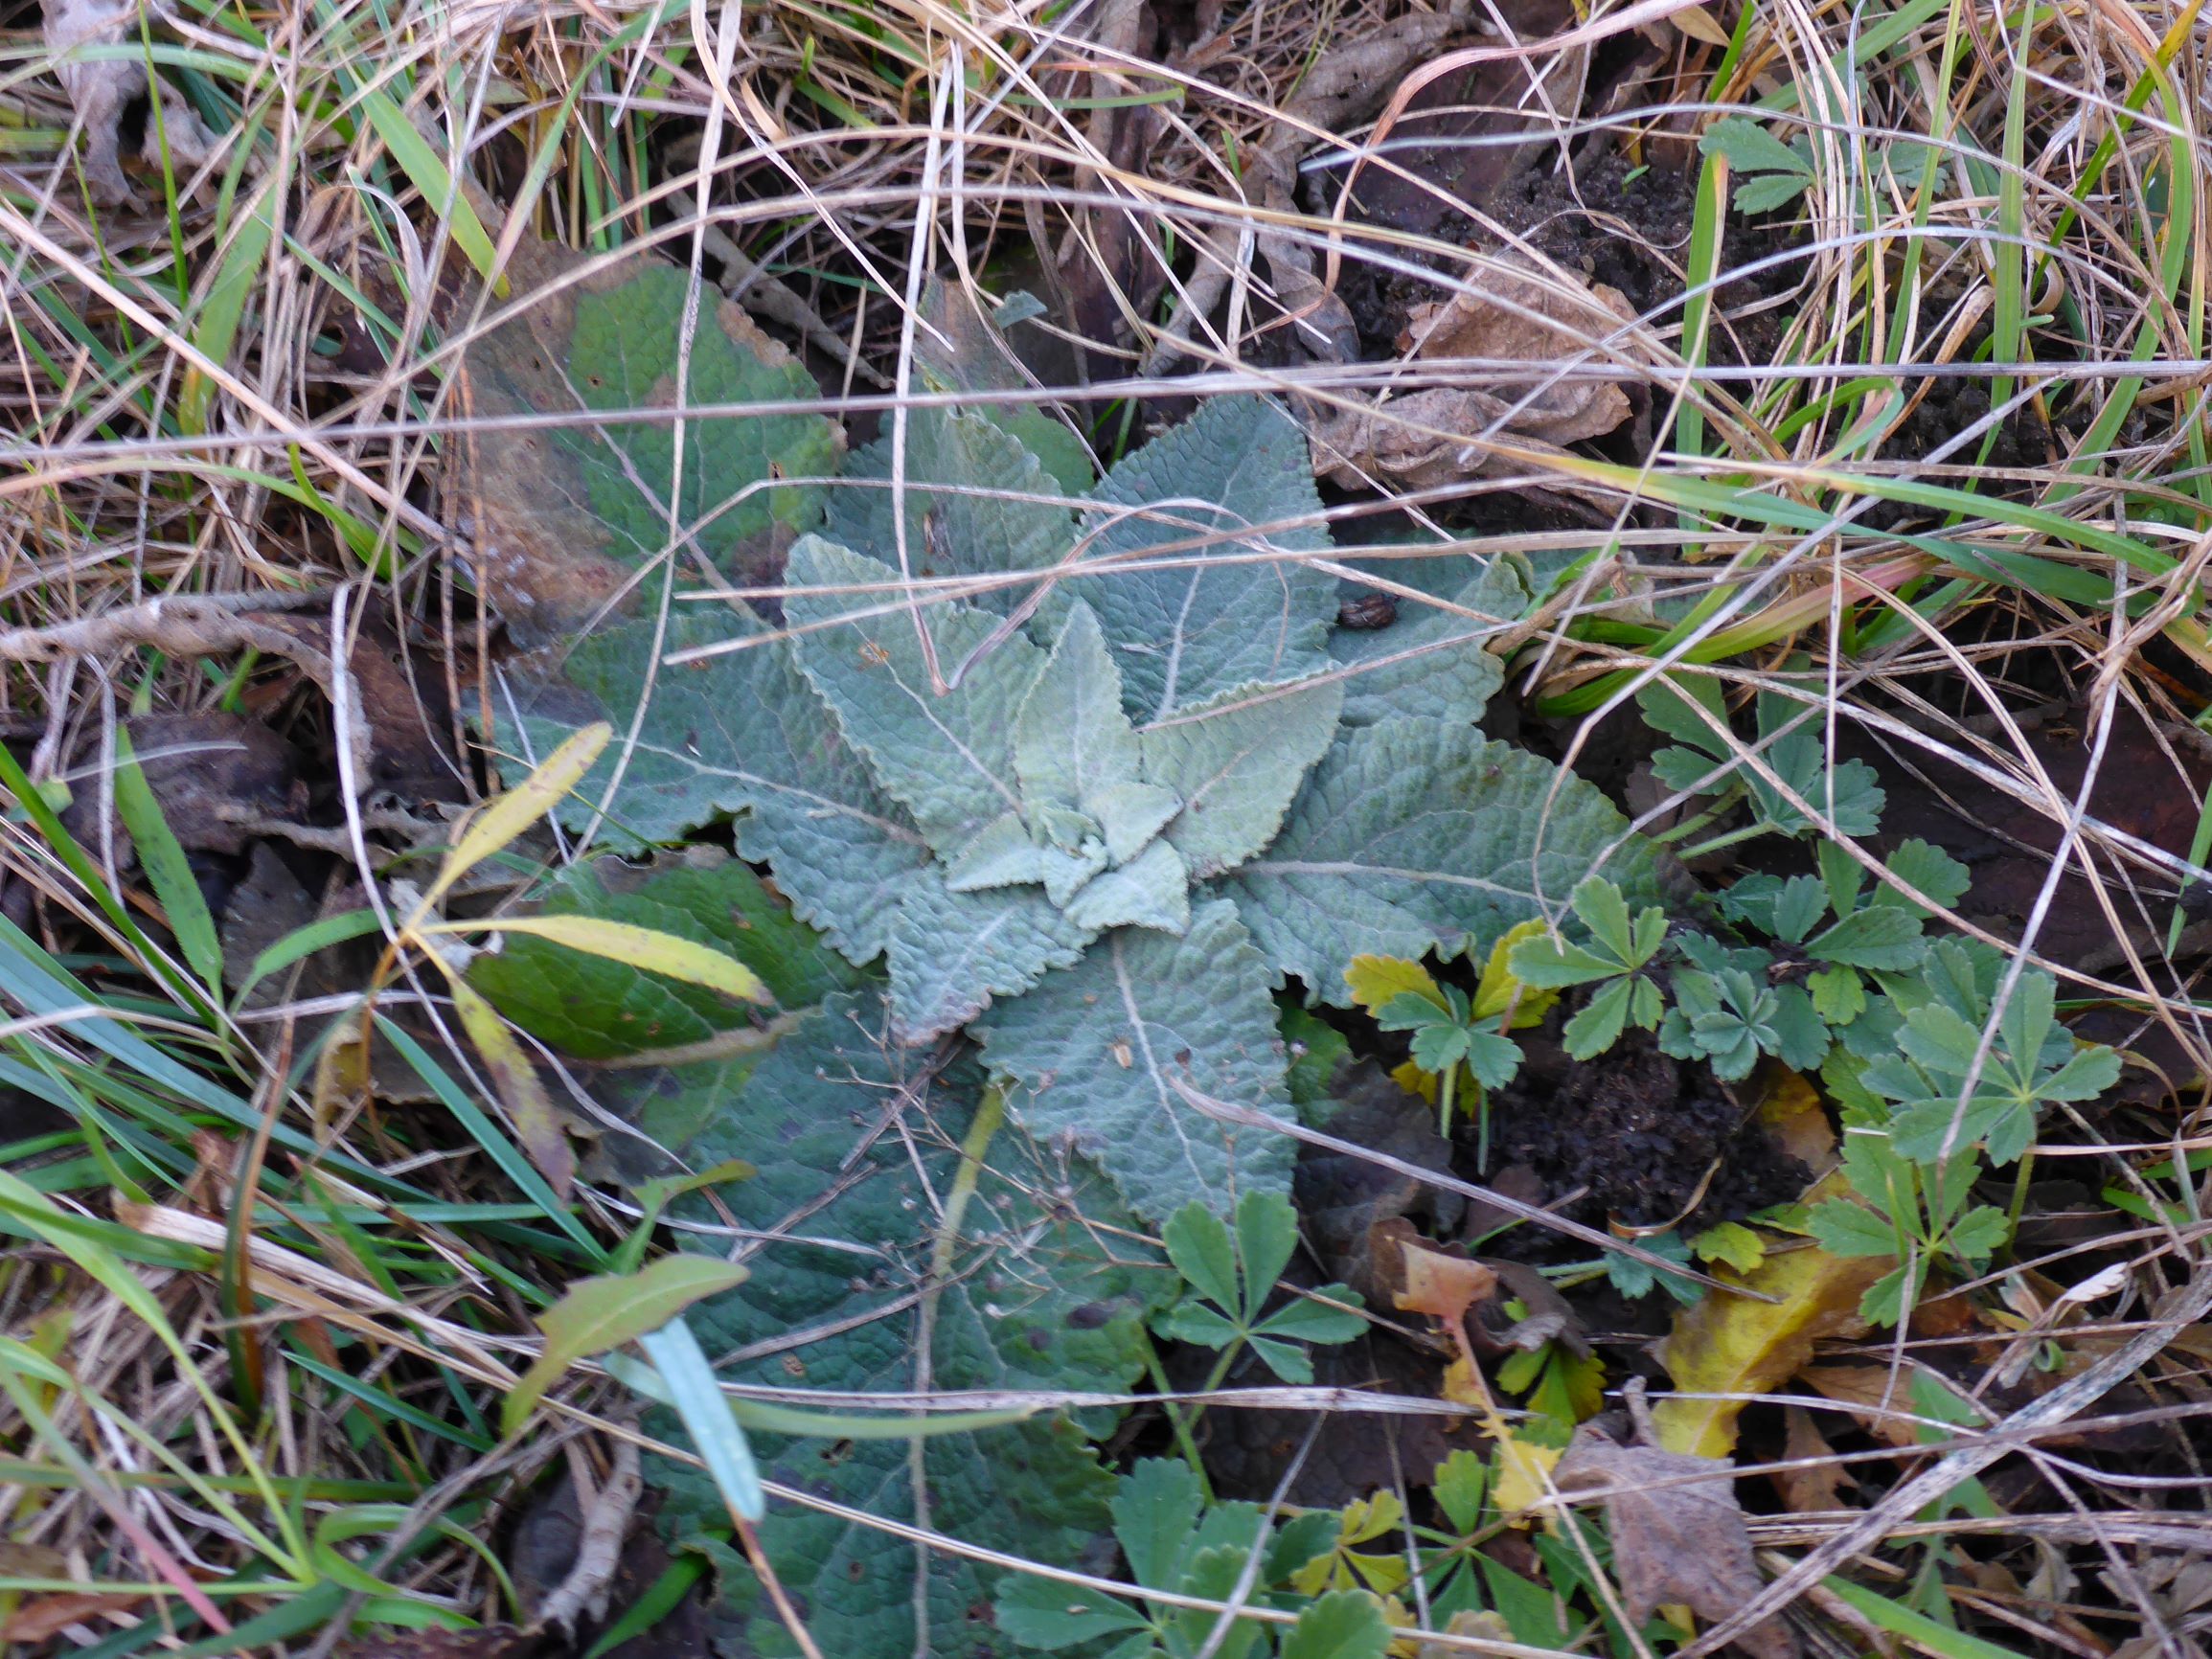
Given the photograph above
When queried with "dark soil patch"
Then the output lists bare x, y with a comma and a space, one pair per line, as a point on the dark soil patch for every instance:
1647, 1139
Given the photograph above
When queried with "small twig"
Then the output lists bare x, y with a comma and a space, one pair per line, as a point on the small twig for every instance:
598, 1546
775, 1587
198, 625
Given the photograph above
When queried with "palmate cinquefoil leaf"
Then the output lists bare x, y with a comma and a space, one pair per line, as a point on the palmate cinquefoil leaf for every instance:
1432, 664
1038, 1298
982, 486
1415, 835
1236, 479
947, 758
952, 952
1096, 1050
1237, 761
741, 733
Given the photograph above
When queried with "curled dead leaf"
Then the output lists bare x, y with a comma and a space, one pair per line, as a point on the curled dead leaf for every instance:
1442, 1286
101, 89
1536, 320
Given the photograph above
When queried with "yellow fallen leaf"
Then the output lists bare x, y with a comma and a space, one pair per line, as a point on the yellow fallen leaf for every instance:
1374, 980
1734, 1345
1791, 1111
1497, 989
1522, 1479
1414, 1080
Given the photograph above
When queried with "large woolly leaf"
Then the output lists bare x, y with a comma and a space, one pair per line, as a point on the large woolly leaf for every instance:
561, 514
1212, 610
949, 758
1097, 1049
1072, 742
596, 1009
1434, 663
739, 732
952, 952
1039, 1292
1236, 762
982, 488
1418, 836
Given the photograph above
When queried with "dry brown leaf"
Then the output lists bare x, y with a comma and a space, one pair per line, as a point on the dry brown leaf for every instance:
1442, 1286
1518, 314
1486, 1625
1677, 1531
1878, 1397
216, 776
101, 90
1792, 1111
1820, 1485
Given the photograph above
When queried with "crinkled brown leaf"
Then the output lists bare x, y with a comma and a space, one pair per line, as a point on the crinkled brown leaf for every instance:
1818, 1486
101, 89
1428, 438
1678, 1531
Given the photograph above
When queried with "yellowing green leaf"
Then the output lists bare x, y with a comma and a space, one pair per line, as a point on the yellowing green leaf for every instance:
537, 1124
507, 816
1414, 1080
645, 948
597, 1314
1730, 1345
1730, 1242
1374, 980
1364, 1521
1498, 987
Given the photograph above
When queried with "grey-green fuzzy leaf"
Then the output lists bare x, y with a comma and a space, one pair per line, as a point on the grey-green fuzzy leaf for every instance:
983, 487
1041, 1295
1099, 1049
1072, 742
739, 732
1235, 481
952, 952
1434, 663
1237, 761
947, 758
1418, 836
1153, 890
